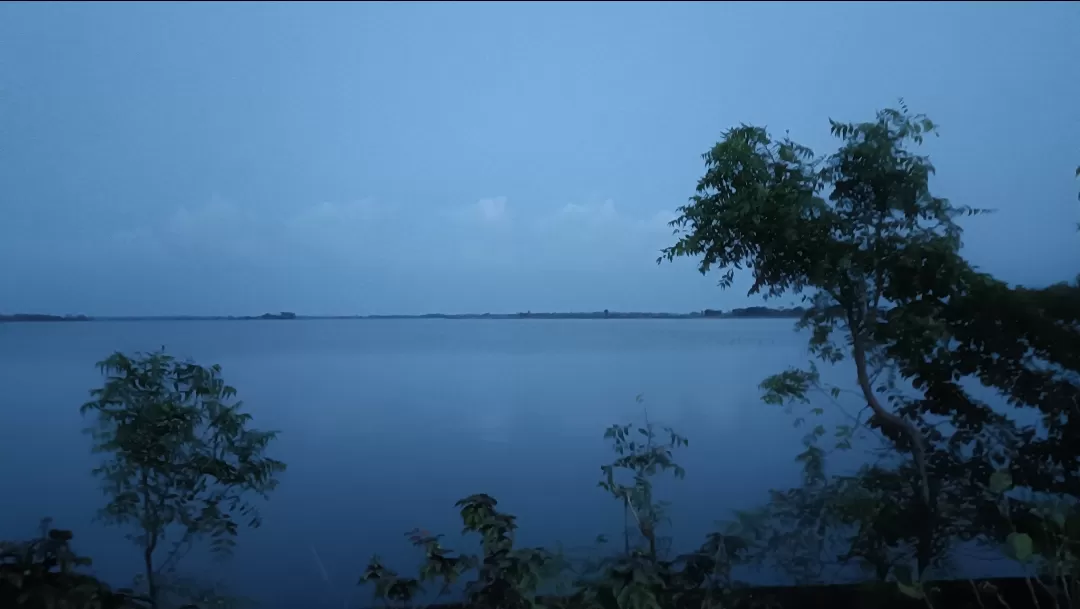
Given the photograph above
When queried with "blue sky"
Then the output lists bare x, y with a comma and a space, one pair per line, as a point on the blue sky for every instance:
375, 158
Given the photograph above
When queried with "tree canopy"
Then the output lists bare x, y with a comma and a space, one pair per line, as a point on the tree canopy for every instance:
860, 236
181, 457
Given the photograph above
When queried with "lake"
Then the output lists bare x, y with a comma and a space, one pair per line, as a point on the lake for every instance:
385, 424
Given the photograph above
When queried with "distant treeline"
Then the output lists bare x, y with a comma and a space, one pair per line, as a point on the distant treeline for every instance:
607, 314
756, 312
41, 317
747, 312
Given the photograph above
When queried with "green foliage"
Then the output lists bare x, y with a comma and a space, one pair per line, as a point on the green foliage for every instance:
640, 457
877, 257
852, 232
504, 576
45, 573
636, 578
1042, 535
180, 457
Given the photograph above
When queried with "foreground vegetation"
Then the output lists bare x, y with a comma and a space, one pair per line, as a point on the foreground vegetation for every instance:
875, 257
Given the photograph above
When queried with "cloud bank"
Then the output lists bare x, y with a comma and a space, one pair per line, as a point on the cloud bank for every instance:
486, 234
362, 256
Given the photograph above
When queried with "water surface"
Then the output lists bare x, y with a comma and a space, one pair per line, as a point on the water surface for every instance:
385, 424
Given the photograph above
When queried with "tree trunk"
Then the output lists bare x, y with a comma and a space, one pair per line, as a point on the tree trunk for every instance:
149, 522
924, 546
151, 585
918, 448
924, 550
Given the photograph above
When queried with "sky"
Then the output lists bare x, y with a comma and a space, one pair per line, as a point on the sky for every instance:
366, 158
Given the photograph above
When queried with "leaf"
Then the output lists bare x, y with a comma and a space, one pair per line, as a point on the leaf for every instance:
914, 591
1058, 517
1000, 481
1019, 546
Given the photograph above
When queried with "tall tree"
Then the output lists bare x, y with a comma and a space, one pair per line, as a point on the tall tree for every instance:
759, 205
860, 236
181, 458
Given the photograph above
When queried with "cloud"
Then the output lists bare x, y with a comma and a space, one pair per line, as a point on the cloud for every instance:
491, 211
486, 233
599, 235
365, 255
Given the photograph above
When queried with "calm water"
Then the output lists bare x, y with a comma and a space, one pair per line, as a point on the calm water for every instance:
385, 424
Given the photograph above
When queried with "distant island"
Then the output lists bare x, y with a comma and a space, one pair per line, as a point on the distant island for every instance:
738, 313
282, 315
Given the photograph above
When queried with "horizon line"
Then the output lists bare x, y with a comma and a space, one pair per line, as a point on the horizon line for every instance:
288, 315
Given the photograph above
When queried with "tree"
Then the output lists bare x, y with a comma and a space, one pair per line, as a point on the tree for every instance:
181, 457
642, 455
860, 236
759, 206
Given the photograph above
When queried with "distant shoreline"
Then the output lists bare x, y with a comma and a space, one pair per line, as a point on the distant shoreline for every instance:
742, 313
